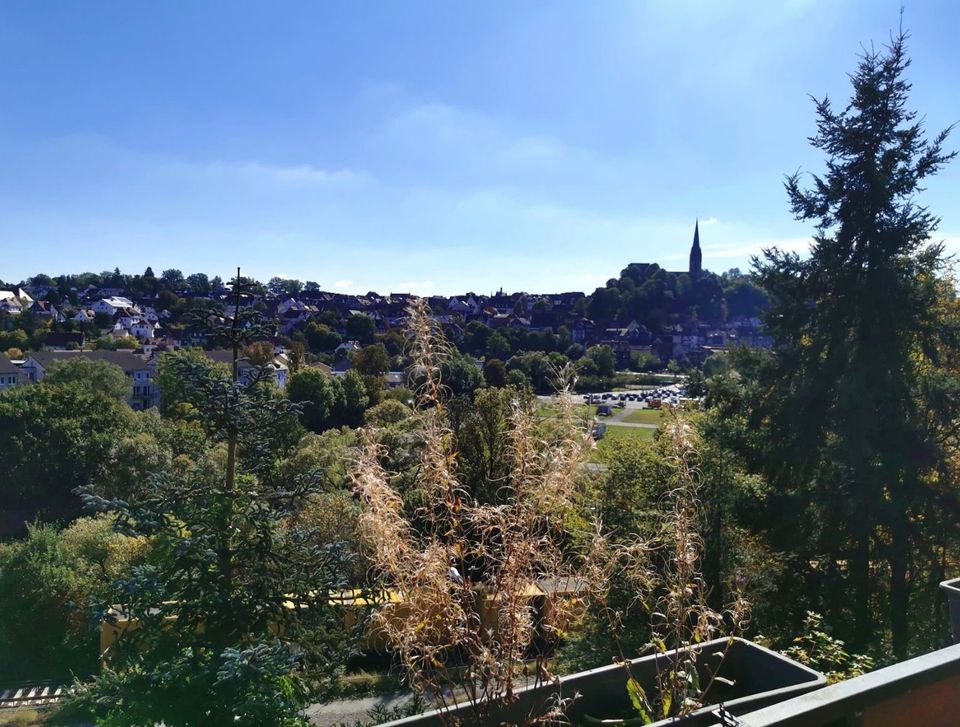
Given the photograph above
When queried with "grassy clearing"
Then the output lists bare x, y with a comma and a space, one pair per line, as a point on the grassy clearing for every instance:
24, 716
644, 416
367, 683
618, 436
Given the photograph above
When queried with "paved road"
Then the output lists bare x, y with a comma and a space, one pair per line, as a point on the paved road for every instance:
348, 711
639, 425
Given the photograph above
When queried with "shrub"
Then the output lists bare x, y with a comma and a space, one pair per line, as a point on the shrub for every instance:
44, 594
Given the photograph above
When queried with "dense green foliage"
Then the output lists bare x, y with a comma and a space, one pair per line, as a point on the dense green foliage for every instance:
50, 585
327, 402
850, 418
55, 438
97, 377
236, 579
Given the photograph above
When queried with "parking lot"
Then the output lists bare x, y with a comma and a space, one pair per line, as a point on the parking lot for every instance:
646, 398
639, 398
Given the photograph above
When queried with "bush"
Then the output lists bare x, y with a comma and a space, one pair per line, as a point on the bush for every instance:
50, 586
101, 551
387, 412
43, 594
248, 686
819, 650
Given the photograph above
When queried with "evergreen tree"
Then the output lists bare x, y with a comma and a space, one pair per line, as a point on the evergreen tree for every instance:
234, 603
850, 401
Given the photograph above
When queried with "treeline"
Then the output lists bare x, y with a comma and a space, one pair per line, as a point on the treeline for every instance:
657, 298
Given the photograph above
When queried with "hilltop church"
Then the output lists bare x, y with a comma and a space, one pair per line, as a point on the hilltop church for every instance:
696, 257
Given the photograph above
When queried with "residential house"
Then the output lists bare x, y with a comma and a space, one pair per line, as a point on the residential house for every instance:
45, 309
9, 303
276, 369
10, 373
141, 370
113, 305
15, 301
296, 307
394, 379
139, 328
582, 331
112, 293
467, 306
322, 367
346, 348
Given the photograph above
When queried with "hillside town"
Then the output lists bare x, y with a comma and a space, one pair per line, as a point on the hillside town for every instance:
589, 464
44, 320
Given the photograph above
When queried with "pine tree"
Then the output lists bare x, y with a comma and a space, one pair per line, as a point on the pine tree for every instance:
234, 603
849, 398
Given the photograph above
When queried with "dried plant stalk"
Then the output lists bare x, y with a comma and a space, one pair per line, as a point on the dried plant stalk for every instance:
668, 584
467, 576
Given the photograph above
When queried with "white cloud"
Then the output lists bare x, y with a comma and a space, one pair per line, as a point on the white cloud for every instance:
415, 286
532, 148
439, 144
342, 284
257, 173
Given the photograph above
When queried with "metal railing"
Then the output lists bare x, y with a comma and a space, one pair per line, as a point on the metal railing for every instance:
924, 691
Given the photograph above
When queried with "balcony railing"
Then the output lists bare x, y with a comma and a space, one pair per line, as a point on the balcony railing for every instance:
920, 692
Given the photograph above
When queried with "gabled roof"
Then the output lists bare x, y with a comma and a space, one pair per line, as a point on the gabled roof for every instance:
116, 301
225, 356
7, 366
126, 360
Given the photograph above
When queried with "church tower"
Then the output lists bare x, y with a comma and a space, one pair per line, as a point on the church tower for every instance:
696, 257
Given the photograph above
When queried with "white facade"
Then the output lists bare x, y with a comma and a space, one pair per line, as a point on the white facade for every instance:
111, 305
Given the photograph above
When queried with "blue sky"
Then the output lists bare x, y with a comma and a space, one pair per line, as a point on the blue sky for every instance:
429, 147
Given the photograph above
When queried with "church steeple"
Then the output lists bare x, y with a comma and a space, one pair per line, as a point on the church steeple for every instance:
696, 257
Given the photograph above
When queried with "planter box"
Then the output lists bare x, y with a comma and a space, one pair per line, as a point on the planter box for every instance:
761, 677
952, 589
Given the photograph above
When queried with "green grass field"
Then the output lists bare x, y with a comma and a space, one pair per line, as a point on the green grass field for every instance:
615, 436
644, 416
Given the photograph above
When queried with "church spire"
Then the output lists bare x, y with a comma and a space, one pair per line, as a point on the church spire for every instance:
696, 257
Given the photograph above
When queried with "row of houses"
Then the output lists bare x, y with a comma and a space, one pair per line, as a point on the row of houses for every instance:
18, 301
139, 367
693, 341
138, 318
